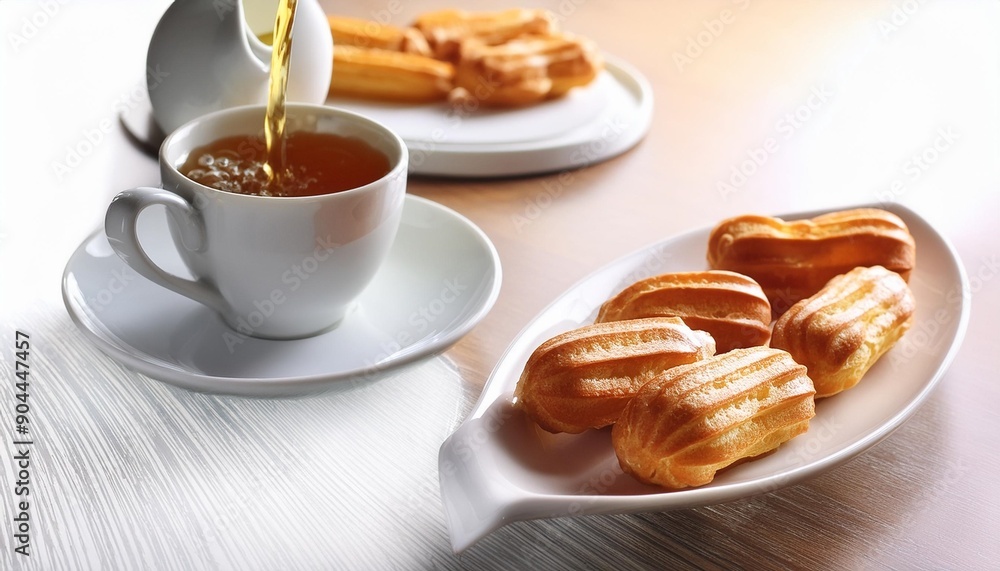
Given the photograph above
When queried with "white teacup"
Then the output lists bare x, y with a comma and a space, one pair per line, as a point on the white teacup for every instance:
272, 267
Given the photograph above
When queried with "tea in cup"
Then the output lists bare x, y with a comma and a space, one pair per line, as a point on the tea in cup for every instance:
274, 261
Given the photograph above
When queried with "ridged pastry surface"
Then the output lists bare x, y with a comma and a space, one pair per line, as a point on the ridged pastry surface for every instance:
840, 332
369, 34
729, 306
693, 420
389, 75
445, 30
583, 378
526, 69
793, 260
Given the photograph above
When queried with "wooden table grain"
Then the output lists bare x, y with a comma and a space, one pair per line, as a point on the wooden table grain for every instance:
760, 106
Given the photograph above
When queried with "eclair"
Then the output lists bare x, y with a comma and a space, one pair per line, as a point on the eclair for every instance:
583, 378
729, 306
372, 73
793, 260
446, 30
525, 70
842, 330
693, 420
370, 34
571, 60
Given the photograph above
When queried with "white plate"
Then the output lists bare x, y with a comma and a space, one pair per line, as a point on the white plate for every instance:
441, 278
590, 125
498, 467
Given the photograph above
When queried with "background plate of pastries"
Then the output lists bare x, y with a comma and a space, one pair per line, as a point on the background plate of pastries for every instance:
718, 364
480, 94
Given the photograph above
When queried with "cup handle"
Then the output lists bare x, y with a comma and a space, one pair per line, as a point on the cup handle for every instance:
120, 225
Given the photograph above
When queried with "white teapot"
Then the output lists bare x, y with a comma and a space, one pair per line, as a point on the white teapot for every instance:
205, 55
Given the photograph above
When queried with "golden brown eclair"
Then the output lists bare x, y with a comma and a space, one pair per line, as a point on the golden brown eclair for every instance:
494, 76
693, 420
445, 30
370, 34
583, 378
840, 332
525, 70
729, 306
387, 75
793, 260
571, 61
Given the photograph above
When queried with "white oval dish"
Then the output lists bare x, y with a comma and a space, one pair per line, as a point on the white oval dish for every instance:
441, 278
499, 467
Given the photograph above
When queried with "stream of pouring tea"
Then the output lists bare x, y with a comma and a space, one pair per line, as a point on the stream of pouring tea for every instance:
274, 122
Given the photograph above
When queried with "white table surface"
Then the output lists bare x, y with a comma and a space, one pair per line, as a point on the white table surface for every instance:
130, 473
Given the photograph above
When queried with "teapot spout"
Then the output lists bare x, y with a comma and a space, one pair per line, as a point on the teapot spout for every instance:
311, 65
208, 57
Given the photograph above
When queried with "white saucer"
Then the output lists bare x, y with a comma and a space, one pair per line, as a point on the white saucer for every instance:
499, 467
589, 125
442, 277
